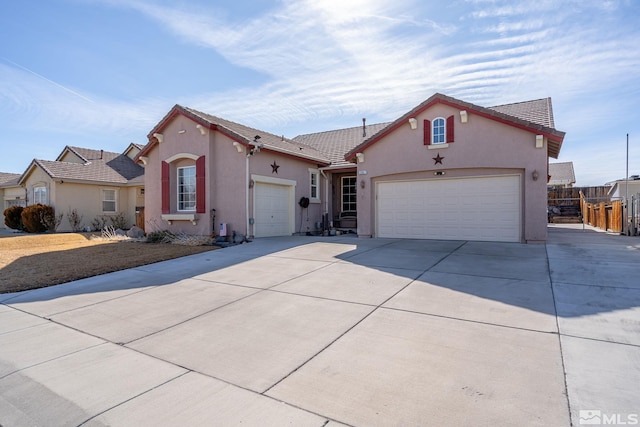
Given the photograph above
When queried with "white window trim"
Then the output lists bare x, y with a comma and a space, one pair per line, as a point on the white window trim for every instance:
316, 199
433, 133
102, 200
342, 193
178, 189
46, 194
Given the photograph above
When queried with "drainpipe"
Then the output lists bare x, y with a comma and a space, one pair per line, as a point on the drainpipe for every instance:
246, 189
326, 196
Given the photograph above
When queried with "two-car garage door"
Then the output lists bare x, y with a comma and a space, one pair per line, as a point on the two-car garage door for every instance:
485, 208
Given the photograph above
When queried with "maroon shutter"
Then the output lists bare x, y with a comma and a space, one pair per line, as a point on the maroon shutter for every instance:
200, 185
450, 136
427, 132
166, 189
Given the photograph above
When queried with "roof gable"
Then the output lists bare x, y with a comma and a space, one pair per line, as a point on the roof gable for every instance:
98, 166
245, 135
554, 137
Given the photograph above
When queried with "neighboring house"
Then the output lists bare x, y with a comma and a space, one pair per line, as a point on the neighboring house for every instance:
618, 188
11, 194
96, 183
447, 169
561, 175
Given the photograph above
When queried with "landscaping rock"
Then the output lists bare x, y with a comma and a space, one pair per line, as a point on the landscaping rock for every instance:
135, 232
120, 232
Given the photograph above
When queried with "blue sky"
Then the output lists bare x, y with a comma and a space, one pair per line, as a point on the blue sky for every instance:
102, 73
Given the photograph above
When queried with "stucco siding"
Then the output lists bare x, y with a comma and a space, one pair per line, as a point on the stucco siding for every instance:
481, 147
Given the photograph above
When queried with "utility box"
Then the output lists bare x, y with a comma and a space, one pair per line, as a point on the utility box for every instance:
224, 229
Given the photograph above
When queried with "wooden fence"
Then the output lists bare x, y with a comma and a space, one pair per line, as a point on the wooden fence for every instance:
558, 196
604, 215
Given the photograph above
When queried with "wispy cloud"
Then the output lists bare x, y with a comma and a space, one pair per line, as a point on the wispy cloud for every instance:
333, 59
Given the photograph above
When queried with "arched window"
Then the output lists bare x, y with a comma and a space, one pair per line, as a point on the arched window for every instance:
438, 132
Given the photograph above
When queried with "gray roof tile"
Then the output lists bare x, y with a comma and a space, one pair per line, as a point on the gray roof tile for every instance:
561, 173
9, 179
538, 111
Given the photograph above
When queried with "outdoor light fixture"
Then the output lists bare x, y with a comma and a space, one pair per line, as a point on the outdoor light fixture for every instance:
464, 117
413, 123
360, 157
539, 141
362, 183
535, 175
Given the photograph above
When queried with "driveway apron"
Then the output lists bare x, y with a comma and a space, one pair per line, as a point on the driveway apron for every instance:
313, 331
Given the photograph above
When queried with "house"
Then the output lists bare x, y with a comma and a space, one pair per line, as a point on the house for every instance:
97, 184
447, 169
11, 194
561, 175
618, 188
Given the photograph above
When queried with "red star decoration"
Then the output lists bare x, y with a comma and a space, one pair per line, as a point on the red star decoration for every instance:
437, 159
274, 167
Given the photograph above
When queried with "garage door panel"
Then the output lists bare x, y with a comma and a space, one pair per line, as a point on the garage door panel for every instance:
272, 210
484, 208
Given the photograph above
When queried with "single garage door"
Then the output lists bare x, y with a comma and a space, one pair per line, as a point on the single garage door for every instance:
272, 210
487, 208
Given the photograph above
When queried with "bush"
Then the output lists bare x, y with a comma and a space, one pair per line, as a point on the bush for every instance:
162, 236
99, 223
32, 217
75, 220
13, 217
119, 220
49, 219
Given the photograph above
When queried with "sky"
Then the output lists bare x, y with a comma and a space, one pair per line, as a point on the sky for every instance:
102, 73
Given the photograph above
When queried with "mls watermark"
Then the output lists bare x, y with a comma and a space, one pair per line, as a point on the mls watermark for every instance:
596, 417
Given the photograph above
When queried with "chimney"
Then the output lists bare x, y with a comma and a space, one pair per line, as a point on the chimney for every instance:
101, 154
364, 127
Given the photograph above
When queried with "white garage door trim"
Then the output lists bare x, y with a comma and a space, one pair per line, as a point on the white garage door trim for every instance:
451, 209
286, 213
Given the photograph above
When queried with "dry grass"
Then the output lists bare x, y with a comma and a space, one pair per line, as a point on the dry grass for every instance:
36, 261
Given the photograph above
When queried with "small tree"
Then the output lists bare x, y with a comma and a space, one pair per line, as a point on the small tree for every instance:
75, 220
13, 217
32, 218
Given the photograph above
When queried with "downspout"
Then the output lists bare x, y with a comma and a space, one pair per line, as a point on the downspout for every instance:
326, 196
246, 189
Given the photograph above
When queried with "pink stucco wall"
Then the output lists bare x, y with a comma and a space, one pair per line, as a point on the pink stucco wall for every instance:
482, 147
225, 177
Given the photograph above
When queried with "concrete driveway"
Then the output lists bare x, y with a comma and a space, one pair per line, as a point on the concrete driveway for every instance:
311, 331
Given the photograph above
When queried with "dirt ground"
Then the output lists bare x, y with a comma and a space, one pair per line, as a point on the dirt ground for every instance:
36, 261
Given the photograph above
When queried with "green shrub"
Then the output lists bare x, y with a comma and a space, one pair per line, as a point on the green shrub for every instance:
32, 218
13, 217
99, 223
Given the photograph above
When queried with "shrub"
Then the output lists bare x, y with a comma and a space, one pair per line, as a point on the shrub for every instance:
49, 219
13, 217
32, 218
161, 236
75, 220
119, 220
99, 223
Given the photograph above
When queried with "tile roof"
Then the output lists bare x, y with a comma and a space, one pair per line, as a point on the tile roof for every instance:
538, 111
561, 173
9, 179
99, 166
335, 143
241, 133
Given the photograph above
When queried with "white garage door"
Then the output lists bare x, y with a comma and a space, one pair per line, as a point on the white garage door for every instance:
487, 208
272, 210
